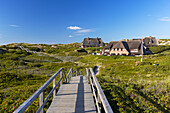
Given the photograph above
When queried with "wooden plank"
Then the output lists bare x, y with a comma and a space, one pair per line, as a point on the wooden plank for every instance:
73, 97
41, 100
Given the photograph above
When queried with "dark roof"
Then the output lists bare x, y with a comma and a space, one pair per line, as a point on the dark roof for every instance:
119, 45
134, 44
93, 41
110, 45
126, 46
150, 41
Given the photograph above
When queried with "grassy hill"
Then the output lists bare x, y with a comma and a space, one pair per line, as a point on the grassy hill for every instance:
130, 86
23, 73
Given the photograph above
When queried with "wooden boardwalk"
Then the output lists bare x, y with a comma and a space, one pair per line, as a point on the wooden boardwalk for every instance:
74, 97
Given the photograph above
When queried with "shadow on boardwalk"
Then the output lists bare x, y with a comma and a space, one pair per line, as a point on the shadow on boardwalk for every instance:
80, 97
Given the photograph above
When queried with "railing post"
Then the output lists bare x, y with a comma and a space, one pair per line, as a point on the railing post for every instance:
65, 79
54, 84
61, 76
41, 100
99, 101
87, 73
72, 72
69, 77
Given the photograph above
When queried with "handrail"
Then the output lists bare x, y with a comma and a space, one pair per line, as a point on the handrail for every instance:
95, 97
39, 92
41, 107
100, 93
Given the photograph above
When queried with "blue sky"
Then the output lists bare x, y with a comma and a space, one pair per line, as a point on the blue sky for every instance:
68, 21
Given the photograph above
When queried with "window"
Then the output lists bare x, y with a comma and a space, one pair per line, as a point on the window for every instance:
118, 49
134, 50
121, 49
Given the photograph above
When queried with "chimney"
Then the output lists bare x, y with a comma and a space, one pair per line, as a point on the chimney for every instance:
150, 39
88, 38
97, 38
127, 40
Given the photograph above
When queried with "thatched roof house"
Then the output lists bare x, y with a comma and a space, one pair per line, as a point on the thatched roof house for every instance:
150, 41
92, 42
130, 47
109, 47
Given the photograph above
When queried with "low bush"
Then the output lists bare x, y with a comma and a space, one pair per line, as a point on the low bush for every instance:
34, 49
159, 49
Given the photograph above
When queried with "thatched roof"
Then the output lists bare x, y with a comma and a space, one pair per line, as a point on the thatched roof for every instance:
110, 45
150, 41
92, 42
134, 44
121, 44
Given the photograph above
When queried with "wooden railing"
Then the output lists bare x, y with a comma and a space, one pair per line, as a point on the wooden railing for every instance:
39, 92
99, 96
101, 101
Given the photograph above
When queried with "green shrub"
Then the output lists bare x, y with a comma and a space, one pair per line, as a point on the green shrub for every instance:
145, 63
159, 49
77, 53
34, 49
34, 65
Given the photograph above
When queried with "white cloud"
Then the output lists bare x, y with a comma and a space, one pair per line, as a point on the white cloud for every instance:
165, 19
70, 36
80, 34
14, 26
84, 31
74, 27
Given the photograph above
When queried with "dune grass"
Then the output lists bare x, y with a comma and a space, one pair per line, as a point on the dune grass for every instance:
129, 85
